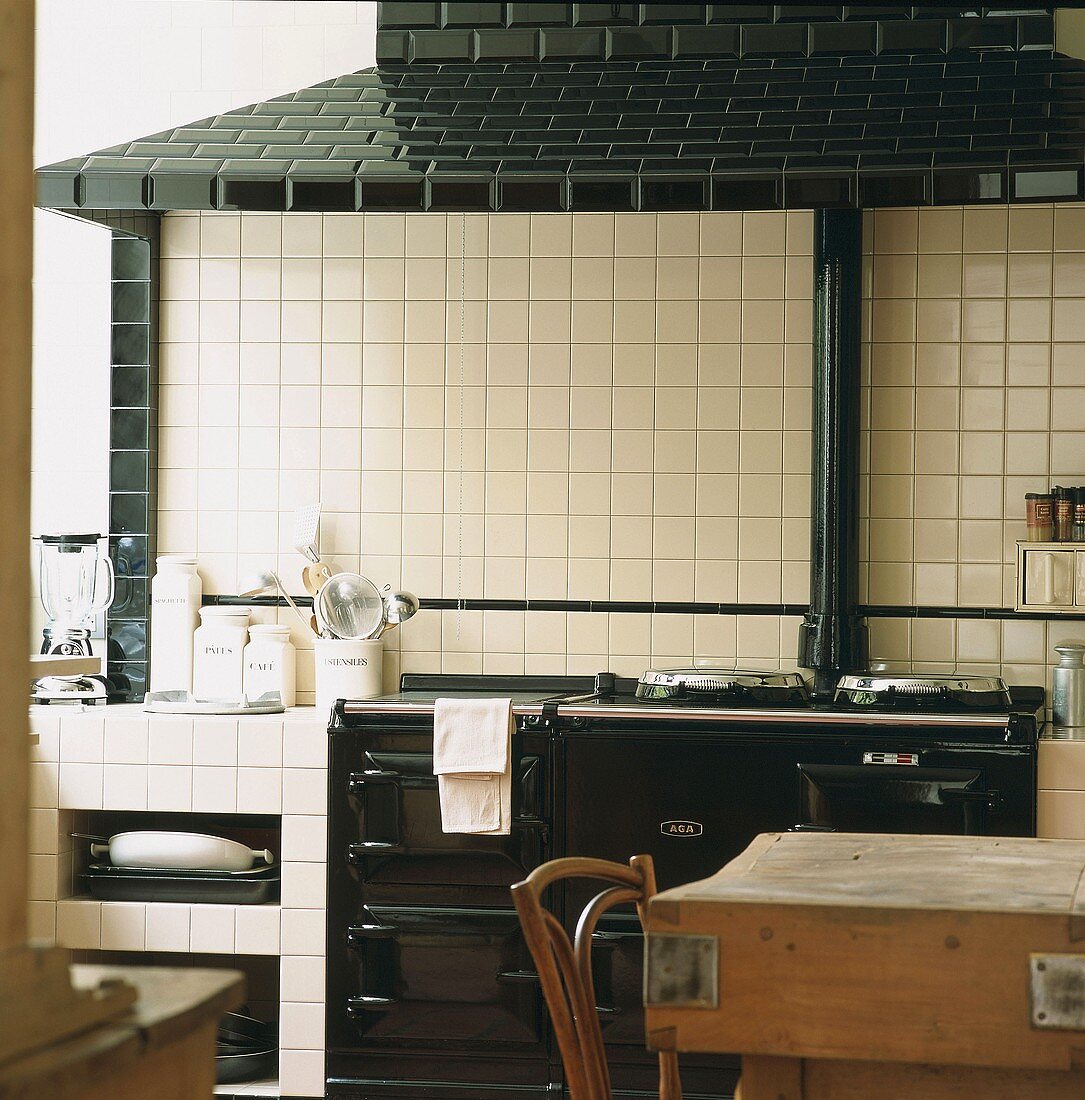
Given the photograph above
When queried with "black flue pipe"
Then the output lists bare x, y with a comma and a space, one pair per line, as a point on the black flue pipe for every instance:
833, 636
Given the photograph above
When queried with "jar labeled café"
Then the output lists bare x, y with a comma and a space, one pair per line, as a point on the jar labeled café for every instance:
270, 662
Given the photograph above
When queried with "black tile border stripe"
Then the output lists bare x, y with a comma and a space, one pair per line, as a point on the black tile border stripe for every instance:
674, 607
681, 187
421, 32
133, 436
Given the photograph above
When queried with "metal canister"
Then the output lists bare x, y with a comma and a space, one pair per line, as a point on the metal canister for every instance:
1068, 686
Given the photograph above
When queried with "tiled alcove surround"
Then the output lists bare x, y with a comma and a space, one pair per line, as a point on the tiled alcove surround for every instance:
123, 759
636, 419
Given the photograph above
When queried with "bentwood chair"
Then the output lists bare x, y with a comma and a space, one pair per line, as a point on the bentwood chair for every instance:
564, 966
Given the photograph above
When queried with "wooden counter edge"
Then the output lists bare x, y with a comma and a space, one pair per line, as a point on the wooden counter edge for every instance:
175, 1007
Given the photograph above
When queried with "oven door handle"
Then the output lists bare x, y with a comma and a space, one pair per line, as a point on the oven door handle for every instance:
364, 849
357, 934
358, 786
611, 940
359, 780
358, 1006
519, 977
530, 977
990, 799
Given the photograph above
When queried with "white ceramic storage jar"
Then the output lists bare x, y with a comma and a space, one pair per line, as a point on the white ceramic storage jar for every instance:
219, 653
270, 661
176, 592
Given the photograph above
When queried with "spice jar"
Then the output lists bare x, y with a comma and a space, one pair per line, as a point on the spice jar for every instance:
219, 651
1063, 513
1039, 516
1078, 531
269, 663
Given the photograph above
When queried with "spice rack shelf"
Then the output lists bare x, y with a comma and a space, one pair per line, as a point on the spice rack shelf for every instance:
1051, 577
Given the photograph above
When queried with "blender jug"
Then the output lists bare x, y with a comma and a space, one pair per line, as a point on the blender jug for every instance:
76, 582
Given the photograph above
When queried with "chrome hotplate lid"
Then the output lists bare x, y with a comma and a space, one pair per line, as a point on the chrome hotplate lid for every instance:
718, 679
920, 683
907, 690
720, 684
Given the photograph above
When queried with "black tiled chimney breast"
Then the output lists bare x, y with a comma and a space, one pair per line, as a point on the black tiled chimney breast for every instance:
637, 107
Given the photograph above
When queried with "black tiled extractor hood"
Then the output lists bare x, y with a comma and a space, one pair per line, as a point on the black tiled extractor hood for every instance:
635, 107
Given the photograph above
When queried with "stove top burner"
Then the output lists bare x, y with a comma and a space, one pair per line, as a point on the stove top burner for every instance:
722, 686
922, 692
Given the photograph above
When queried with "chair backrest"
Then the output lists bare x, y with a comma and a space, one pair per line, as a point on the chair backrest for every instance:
564, 966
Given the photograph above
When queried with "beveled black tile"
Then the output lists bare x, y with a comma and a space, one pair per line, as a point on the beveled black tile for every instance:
637, 43
129, 471
129, 513
674, 194
569, 45
252, 194
507, 45
605, 15
894, 189
471, 16
815, 192
129, 430
130, 554
391, 194
412, 14
539, 15
531, 195
130, 386
131, 301
323, 195
133, 674
601, 195
130, 343
130, 602
1047, 184
127, 640
452, 194
745, 193
131, 258
775, 41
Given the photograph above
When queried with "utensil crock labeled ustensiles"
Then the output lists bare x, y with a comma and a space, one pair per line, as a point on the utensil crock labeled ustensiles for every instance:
347, 669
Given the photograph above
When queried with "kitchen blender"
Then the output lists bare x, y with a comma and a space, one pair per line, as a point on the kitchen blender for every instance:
76, 581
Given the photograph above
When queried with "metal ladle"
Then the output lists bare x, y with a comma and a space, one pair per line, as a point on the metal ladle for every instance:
263, 583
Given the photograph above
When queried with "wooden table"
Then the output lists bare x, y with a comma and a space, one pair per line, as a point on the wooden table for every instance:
847, 966
163, 1049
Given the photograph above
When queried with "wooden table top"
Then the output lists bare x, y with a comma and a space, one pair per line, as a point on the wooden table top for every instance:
170, 1000
868, 870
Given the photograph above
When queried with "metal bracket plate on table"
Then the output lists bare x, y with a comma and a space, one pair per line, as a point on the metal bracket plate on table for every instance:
682, 970
1057, 992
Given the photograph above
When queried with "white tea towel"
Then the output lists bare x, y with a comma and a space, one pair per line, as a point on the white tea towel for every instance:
472, 759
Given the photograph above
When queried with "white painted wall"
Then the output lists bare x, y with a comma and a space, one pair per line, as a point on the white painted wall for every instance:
110, 71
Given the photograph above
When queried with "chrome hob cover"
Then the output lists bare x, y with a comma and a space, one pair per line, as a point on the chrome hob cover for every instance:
913, 691
722, 686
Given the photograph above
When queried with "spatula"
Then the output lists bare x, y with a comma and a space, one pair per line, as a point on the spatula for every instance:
306, 539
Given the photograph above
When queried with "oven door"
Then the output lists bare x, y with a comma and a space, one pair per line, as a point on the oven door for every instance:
458, 980
393, 837
892, 798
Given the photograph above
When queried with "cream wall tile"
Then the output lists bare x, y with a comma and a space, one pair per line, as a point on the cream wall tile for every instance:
601, 314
